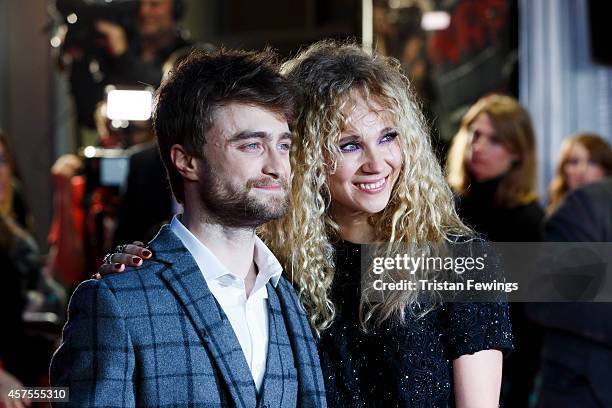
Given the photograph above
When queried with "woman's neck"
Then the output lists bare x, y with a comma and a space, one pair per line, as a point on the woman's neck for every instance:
354, 226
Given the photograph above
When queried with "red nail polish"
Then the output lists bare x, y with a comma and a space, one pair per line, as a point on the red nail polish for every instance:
146, 253
117, 266
136, 260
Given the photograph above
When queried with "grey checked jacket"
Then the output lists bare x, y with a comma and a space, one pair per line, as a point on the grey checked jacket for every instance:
156, 337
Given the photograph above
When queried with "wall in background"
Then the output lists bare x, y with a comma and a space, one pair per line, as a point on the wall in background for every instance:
25, 92
561, 86
3, 62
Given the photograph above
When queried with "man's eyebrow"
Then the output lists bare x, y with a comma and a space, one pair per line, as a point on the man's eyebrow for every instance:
287, 135
248, 134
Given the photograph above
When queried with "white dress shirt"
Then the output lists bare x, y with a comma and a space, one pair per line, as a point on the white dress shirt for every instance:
248, 316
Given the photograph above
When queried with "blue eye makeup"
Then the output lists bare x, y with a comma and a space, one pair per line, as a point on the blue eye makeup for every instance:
355, 145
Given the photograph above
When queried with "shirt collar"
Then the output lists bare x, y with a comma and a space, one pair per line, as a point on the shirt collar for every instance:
267, 264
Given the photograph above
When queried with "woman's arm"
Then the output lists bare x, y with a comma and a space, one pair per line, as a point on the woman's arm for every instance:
478, 379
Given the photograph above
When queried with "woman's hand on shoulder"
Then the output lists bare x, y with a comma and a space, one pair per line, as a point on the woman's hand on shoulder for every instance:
132, 254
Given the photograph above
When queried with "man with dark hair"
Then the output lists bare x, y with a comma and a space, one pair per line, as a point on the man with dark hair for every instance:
209, 321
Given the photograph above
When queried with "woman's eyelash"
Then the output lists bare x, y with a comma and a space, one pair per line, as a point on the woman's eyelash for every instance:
344, 147
389, 136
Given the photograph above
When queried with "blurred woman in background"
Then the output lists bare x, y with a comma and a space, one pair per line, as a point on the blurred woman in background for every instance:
12, 202
19, 272
585, 158
492, 170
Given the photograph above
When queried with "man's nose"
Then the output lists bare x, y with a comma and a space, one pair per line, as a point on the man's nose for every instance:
275, 164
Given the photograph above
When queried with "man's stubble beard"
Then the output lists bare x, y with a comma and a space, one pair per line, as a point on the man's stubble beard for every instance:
232, 206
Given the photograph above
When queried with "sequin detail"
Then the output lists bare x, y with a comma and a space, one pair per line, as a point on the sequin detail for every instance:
401, 366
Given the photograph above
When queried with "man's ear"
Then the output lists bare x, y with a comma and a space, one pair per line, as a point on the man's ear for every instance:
185, 164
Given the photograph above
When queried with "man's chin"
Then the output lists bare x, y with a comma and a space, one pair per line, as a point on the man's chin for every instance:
273, 209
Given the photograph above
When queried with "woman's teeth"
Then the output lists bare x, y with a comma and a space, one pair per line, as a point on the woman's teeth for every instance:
371, 186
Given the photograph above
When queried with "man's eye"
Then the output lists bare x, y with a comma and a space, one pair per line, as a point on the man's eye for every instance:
285, 146
349, 147
251, 146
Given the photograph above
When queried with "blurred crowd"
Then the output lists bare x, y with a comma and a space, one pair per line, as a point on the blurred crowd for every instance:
491, 167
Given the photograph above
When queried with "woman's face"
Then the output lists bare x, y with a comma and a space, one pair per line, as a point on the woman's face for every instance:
580, 169
5, 172
369, 163
487, 156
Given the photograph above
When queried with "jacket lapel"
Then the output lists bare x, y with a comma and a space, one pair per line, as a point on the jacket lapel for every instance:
281, 383
186, 280
311, 391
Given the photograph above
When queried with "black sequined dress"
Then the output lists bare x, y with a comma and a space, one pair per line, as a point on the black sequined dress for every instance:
401, 366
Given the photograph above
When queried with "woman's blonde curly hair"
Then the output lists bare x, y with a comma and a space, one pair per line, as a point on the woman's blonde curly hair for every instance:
421, 208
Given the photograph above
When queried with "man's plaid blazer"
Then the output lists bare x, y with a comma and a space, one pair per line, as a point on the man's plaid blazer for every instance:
156, 337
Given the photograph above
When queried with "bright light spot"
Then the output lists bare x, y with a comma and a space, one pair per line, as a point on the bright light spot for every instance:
55, 42
72, 18
116, 123
129, 105
89, 152
435, 20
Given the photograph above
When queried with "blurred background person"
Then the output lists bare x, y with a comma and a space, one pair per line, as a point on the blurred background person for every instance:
86, 204
7, 383
117, 43
577, 347
12, 200
140, 59
21, 272
584, 158
20, 275
492, 170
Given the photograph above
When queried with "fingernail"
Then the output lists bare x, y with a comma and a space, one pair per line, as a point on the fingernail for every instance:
117, 266
95, 276
136, 260
146, 253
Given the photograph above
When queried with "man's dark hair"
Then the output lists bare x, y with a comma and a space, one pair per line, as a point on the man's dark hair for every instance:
204, 81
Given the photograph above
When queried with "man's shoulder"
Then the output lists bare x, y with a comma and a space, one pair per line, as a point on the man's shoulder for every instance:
132, 279
597, 191
594, 199
136, 276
